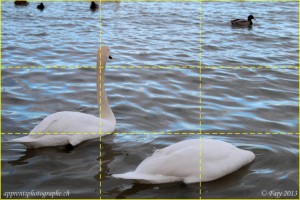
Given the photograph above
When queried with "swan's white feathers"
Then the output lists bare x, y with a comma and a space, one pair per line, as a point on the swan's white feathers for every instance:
44, 124
67, 122
146, 178
181, 162
64, 127
166, 163
220, 158
74, 127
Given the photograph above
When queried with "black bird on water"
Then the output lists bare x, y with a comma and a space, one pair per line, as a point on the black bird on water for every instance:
21, 3
94, 6
41, 6
243, 22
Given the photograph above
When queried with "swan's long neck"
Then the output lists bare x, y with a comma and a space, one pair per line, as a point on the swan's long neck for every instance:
103, 105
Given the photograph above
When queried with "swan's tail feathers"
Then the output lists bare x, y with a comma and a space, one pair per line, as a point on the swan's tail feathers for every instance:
26, 141
18, 140
45, 123
147, 178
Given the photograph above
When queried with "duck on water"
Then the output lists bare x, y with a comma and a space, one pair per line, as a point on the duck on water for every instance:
41, 6
94, 6
21, 3
243, 22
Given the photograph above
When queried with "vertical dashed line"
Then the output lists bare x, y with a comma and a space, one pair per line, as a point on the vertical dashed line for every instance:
100, 102
100, 174
1, 92
298, 92
200, 168
200, 97
200, 67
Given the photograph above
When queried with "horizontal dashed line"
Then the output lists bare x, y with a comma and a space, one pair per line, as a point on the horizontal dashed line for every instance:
169, 1
152, 67
159, 133
251, 67
94, 67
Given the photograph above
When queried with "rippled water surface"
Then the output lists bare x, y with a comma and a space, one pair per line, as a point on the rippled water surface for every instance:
64, 34
272, 40
153, 33
233, 101
148, 100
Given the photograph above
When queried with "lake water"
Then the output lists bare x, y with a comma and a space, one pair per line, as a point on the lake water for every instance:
150, 101
272, 40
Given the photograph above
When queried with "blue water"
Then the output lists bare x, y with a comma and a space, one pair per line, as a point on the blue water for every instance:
63, 34
152, 100
272, 40
143, 34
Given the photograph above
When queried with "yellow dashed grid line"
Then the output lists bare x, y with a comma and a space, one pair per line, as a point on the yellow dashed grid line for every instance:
298, 93
155, 133
200, 97
153, 67
170, 1
200, 168
1, 96
100, 102
100, 168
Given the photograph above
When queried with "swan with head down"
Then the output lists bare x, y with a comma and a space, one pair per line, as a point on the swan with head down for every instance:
190, 161
67, 127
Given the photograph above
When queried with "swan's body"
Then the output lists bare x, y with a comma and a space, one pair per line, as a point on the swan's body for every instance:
67, 127
181, 162
243, 22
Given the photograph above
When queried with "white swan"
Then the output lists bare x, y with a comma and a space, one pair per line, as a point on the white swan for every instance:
83, 126
181, 162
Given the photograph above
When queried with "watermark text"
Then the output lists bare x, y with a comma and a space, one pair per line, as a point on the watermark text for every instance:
279, 193
33, 193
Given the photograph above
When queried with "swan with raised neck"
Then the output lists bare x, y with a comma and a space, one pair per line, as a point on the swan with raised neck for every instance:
67, 127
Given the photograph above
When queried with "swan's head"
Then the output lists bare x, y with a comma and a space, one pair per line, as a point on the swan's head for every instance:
104, 52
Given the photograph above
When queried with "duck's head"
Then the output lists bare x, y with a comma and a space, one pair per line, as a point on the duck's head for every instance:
250, 17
